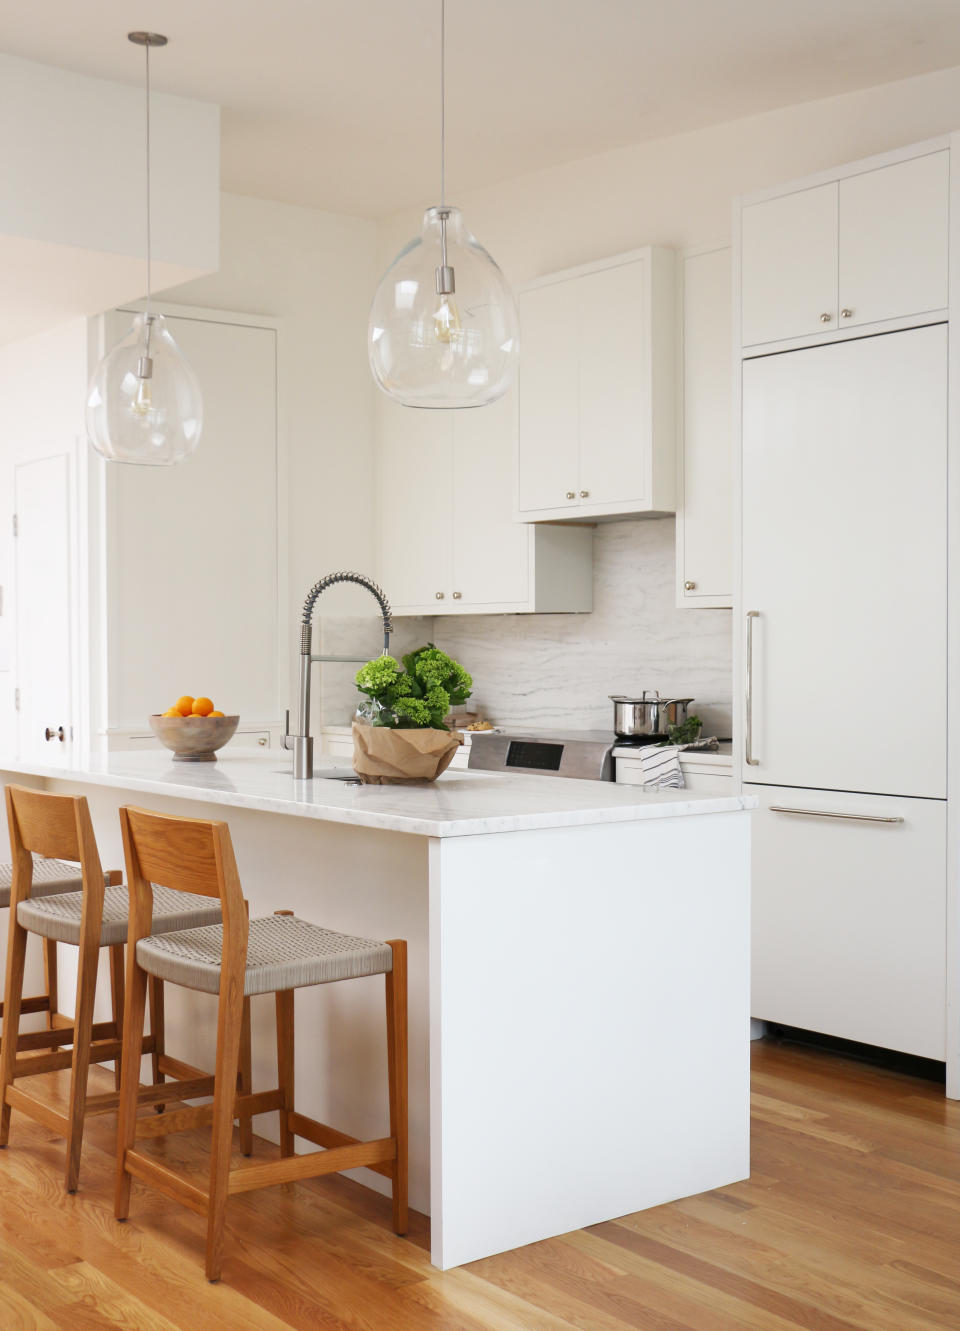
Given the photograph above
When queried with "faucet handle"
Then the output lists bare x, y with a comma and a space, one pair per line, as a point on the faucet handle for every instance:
287, 738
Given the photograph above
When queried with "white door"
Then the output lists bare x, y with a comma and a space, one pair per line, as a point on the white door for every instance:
491, 552
549, 397
789, 265
704, 527
44, 636
614, 384
849, 916
893, 240
416, 478
845, 559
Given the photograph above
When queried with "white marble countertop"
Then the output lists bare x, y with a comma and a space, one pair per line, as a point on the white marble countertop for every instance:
458, 804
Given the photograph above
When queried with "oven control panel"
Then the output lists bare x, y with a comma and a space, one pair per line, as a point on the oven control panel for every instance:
586, 756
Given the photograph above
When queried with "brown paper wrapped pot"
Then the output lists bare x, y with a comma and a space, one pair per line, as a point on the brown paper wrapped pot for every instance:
382, 756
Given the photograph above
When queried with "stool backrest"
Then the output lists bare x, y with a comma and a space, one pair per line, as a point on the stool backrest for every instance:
57, 826
187, 854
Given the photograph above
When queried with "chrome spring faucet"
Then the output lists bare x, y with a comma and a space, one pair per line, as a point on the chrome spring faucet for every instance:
302, 742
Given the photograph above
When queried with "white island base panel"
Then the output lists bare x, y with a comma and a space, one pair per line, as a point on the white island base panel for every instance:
579, 1010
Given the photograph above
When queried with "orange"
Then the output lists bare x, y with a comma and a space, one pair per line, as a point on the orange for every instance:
215, 714
171, 711
202, 706
184, 705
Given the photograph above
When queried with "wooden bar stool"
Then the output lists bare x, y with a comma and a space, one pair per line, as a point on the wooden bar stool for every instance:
59, 826
235, 960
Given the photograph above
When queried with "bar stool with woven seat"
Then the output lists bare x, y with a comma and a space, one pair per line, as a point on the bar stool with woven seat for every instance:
51, 877
59, 826
236, 960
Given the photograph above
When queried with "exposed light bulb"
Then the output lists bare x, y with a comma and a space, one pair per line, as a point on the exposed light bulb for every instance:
446, 320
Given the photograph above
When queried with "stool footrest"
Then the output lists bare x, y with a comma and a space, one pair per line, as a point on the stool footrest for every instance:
321, 1134
313, 1165
199, 1116
102, 1030
173, 1067
165, 1180
41, 1003
38, 1111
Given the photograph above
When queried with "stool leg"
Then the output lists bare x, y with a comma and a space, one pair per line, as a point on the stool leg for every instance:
284, 999
396, 984
50, 977
245, 1079
157, 1030
87, 966
13, 993
229, 1034
116, 999
135, 1007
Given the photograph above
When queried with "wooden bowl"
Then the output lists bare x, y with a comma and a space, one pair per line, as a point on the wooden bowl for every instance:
194, 739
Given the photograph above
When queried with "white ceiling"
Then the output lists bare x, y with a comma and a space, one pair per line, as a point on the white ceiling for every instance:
334, 103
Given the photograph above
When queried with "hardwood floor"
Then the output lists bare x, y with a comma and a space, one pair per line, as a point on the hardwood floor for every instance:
850, 1220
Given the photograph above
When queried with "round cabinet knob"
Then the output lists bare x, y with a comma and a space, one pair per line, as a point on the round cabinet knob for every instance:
584, 494
456, 596
49, 734
262, 741
825, 318
846, 314
689, 586
571, 494
439, 596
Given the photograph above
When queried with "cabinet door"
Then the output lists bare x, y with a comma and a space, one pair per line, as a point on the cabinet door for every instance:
614, 384
704, 524
549, 397
893, 240
849, 917
845, 558
491, 552
416, 478
789, 265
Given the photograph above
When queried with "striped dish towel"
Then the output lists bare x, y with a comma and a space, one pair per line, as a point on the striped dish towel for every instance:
661, 767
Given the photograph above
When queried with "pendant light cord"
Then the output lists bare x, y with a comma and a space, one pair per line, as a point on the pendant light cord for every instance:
147, 52
443, 103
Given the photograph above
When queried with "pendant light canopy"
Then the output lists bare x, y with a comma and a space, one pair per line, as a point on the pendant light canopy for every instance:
443, 328
144, 404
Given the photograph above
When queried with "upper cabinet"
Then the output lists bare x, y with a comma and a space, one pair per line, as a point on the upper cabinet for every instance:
596, 419
867, 248
448, 540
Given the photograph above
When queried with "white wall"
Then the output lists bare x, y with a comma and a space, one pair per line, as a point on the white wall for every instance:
315, 271
676, 192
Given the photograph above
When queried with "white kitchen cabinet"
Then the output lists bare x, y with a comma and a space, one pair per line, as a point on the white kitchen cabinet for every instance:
195, 569
867, 247
789, 266
845, 563
449, 544
596, 416
893, 240
849, 916
705, 457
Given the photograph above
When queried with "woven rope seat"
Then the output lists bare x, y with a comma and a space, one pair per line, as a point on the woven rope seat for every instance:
58, 917
49, 878
282, 953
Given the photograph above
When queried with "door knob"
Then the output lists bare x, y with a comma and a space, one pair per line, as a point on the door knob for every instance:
571, 495
825, 318
689, 586
49, 734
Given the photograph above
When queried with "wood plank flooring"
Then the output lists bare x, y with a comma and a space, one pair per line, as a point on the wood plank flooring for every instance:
850, 1222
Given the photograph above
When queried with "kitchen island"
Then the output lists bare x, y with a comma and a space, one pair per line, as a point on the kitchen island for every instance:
579, 976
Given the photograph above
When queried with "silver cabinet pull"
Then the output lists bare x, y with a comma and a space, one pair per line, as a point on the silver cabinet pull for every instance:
571, 495
689, 586
846, 314
825, 318
59, 734
439, 595
457, 595
748, 694
584, 494
828, 813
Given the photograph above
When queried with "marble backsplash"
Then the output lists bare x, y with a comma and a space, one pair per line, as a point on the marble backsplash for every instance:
555, 671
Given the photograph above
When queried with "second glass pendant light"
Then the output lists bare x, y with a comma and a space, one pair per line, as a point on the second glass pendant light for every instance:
443, 328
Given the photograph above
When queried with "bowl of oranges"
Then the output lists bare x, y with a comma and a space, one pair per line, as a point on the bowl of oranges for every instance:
194, 729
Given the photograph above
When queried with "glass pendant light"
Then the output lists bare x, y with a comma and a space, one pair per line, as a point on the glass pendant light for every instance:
443, 328
144, 404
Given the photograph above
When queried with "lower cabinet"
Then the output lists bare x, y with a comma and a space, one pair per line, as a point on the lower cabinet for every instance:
849, 916
705, 778
449, 543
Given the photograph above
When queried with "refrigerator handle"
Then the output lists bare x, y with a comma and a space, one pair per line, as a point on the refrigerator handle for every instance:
748, 694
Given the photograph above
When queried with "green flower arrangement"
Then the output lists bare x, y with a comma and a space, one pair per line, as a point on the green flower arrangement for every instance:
416, 695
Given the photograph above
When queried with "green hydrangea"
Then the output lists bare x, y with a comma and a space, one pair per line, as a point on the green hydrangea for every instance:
379, 675
414, 710
417, 694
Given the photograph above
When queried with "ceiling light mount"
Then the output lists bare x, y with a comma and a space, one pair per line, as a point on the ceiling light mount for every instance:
147, 38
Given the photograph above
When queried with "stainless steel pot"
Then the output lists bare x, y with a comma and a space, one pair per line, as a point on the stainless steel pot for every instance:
648, 715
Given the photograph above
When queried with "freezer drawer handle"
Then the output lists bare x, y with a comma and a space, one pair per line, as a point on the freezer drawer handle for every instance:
748, 694
826, 813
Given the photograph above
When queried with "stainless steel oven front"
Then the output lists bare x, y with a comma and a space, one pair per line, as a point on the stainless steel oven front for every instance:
586, 755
